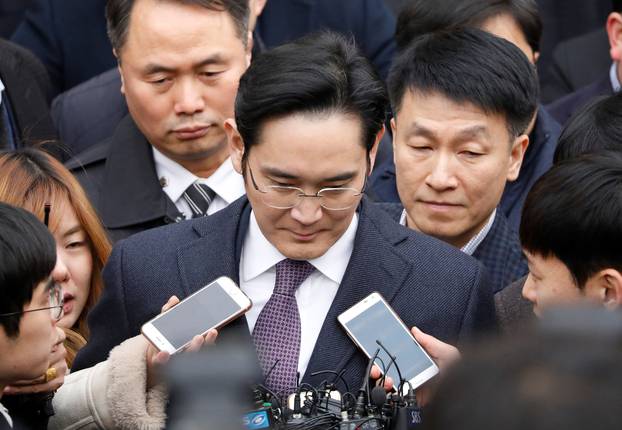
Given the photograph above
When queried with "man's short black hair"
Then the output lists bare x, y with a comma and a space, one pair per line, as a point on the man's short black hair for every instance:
469, 66
118, 14
425, 16
595, 127
27, 255
574, 213
319, 73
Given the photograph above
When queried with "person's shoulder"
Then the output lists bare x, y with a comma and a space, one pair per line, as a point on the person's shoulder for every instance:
92, 156
393, 209
169, 238
511, 308
550, 127
563, 108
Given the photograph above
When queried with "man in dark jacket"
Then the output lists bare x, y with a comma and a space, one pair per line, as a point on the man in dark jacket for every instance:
305, 244
456, 146
515, 21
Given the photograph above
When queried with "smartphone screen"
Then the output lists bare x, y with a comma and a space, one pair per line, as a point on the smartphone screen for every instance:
378, 323
205, 309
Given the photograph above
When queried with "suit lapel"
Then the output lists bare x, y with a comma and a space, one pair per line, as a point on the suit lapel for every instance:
383, 271
131, 191
215, 253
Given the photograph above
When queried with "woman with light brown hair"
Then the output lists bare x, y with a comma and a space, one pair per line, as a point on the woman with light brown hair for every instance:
34, 180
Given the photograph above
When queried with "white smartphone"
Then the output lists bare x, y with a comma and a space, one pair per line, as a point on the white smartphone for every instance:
212, 306
372, 320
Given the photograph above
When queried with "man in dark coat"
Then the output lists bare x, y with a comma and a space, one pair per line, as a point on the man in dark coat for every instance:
304, 212
24, 99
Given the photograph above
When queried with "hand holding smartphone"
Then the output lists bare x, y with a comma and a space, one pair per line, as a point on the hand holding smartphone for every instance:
372, 321
211, 307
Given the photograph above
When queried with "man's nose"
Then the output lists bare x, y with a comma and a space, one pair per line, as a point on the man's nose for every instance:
441, 175
189, 97
60, 273
308, 210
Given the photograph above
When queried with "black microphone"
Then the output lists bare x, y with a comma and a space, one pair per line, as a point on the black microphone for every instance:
393, 358
364, 395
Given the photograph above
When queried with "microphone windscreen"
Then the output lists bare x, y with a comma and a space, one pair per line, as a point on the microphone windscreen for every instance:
378, 396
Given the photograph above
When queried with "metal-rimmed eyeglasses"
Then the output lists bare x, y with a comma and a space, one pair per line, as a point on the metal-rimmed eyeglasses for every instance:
287, 197
55, 300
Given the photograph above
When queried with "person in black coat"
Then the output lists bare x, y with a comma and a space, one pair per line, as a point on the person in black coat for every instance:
11, 14
304, 203
69, 37
24, 114
605, 80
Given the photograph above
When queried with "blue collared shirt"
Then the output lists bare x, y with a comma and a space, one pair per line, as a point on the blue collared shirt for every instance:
613, 76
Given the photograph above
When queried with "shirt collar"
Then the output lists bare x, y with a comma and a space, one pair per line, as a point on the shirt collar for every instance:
175, 179
475, 241
613, 76
2, 87
259, 255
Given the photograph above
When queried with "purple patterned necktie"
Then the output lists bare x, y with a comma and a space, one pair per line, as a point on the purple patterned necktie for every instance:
277, 331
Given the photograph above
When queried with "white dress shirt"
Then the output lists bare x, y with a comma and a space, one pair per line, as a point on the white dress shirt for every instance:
1, 90
5, 414
175, 179
314, 296
470, 247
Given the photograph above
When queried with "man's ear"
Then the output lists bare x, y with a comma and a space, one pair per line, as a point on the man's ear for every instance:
259, 6
236, 144
517, 152
120, 69
614, 34
122, 89
374, 149
607, 286
393, 136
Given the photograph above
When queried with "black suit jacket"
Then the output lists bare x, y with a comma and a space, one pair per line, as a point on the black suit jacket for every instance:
11, 14
537, 160
120, 180
499, 252
513, 311
28, 89
69, 37
370, 22
563, 109
428, 283
576, 62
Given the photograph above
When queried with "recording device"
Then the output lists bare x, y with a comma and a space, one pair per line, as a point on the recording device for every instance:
384, 338
211, 307
325, 407
373, 325
197, 397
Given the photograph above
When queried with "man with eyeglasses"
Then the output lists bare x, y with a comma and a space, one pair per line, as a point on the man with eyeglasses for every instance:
31, 302
304, 244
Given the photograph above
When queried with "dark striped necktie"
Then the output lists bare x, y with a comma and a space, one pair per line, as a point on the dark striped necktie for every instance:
199, 197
